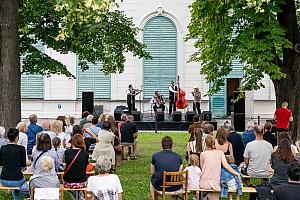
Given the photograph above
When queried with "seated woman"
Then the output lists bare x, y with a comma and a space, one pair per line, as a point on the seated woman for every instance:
280, 160
44, 148
248, 135
221, 142
195, 146
211, 161
104, 185
77, 159
285, 135
12, 158
45, 179
105, 147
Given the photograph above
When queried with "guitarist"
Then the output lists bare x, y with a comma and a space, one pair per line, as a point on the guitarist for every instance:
173, 90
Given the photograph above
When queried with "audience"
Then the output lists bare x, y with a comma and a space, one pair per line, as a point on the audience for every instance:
117, 145
3, 140
258, 155
89, 119
128, 136
104, 149
32, 130
237, 144
59, 149
57, 128
280, 160
120, 123
221, 142
12, 160
83, 121
285, 135
77, 160
194, 173
211, 161
64, 123
101, 119
88, 140
290, 190
196, 124
105, 185
45, 179
196, 145
248, 135
69, 128
46, 129
165, 160
23, 140
268, 135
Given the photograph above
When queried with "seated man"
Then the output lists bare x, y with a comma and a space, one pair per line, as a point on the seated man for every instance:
165, 160
158, 101
258, 155
128, 135
290, 191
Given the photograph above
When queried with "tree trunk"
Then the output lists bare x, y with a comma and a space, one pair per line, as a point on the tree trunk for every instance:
288, 89
10, 98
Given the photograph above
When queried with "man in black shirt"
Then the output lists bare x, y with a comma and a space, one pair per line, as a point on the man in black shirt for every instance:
131, 93
172, 97
165, 160
268, 135
129, 134
290, 191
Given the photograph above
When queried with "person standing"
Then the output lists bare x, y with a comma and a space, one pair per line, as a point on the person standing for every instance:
131, 93
32, 130
197, 100
172, 97
283, 116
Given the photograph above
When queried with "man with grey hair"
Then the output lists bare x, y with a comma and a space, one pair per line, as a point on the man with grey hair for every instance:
105, 185
258, 155
31, 132
237, 144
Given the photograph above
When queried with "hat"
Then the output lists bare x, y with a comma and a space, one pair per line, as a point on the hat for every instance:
196, 86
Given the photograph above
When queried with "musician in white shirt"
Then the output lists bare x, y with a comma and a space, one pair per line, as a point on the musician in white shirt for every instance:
158, 101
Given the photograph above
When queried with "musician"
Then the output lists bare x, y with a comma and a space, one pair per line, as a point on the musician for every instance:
197, 100
172, 97
131, 93
158, 101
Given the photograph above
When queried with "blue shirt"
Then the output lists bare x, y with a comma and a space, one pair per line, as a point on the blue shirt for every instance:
248, 136
31, 132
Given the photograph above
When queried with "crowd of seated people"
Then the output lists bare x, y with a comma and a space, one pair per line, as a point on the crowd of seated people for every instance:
63, 146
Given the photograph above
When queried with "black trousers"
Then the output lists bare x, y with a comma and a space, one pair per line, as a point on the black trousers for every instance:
172, 106
131, 106
160, 106
196, 108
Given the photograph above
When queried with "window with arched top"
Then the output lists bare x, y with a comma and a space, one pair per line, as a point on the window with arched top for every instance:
160, 36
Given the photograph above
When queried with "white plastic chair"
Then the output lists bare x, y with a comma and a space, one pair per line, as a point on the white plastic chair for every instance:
46, 194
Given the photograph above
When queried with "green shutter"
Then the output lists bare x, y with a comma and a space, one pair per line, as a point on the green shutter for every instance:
93, 80
160, 36
218, 102
32, 85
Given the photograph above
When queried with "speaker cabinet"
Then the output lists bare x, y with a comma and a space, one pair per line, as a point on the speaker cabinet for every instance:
176, 116
189, 115
238, 106
118, 114
239, 121
206, 116
137, 115
87, 102
160, 116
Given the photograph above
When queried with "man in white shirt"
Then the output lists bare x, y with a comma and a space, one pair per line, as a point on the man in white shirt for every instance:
257, 155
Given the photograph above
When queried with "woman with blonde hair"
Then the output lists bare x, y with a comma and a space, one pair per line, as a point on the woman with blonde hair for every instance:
23, 140
57, 128
101, 119
211, 161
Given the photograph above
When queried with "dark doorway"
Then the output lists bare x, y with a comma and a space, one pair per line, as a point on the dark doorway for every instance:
232, 85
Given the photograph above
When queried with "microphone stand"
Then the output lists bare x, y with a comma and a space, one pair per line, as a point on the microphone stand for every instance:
140, 98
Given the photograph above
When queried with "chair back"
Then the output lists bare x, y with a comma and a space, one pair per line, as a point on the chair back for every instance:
46, 193
175, 179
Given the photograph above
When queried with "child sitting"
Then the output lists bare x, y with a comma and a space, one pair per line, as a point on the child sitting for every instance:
194, 173
60, 151
229, 182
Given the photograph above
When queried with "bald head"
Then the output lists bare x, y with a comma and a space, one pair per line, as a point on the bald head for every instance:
259, 130
284, 104
46, 125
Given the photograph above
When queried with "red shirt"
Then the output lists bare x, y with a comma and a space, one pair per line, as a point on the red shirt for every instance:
282, 117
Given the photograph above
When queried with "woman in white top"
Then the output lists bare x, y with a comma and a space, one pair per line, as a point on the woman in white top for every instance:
105, 186
195, 147
285, 135
23, 139
57, 128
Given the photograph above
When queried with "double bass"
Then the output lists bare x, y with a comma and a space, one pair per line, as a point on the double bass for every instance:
181, 101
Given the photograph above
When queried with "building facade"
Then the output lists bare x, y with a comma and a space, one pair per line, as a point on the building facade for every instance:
164, 28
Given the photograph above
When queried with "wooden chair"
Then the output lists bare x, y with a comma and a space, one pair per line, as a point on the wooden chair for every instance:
171, 179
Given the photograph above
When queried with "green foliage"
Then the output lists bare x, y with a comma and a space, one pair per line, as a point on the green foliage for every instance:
93, 35
226, 30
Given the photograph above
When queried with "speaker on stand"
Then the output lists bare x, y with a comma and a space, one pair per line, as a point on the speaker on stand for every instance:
239, 113
87, 102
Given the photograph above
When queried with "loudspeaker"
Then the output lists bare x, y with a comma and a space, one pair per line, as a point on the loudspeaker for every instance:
176, 116
137, 115
160, 116
206, 116
118, 114
189, 116
87, 102
215, 124
239, 121
238, 106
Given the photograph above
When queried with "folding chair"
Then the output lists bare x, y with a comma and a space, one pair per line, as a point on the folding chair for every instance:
45, 193
175, 179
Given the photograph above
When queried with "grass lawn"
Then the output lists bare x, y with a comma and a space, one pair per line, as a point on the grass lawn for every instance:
135, 175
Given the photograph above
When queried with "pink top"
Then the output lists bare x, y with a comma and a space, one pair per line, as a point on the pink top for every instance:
211, 169
225, 147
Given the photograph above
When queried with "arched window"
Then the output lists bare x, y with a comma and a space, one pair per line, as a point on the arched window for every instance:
160, 36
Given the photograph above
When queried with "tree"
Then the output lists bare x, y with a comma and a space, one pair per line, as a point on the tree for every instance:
93, 29
263, 34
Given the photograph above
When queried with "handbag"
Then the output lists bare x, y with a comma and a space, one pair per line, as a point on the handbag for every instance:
68, 168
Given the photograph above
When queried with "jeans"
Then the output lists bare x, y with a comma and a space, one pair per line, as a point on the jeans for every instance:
9, 183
